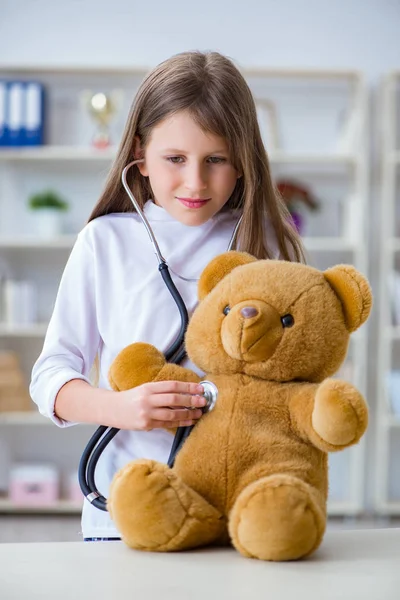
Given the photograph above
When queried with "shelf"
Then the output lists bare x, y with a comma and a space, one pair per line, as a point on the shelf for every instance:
34, 418
79, 69
61, 507
387, 420
393, 244
87, 153
62, 242
61, 153
389, 508
66, 242
393, 420
338, 508
328, 243
24, 418
317, 159
392, 333
303, 73
34, 330
394, 158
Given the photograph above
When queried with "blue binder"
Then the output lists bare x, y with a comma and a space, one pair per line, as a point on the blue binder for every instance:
3, 117
21, 113
34, 113
15, 113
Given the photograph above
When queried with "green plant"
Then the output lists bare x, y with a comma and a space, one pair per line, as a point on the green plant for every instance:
47, 199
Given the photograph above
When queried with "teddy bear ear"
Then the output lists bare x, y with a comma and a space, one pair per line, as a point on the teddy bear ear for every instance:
219, 267
354, 292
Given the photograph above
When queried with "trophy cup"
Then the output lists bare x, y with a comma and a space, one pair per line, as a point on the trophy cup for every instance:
102, 107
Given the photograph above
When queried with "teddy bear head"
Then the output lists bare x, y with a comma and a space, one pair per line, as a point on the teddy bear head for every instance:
275, 320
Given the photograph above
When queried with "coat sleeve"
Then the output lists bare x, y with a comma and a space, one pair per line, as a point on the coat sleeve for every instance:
72, 337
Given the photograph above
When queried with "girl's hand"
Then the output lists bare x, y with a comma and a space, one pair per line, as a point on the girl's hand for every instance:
161, 404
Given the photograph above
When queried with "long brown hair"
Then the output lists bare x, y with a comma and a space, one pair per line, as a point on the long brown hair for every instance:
213, 90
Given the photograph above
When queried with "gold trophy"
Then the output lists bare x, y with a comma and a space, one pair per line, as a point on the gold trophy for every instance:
102, 108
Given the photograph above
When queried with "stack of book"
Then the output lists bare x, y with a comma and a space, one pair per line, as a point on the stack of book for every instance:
14, 395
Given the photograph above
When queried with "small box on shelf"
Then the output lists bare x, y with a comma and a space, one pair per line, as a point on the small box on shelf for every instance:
33, 484
75, 494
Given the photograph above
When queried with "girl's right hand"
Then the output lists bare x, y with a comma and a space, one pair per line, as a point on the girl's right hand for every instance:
161, 404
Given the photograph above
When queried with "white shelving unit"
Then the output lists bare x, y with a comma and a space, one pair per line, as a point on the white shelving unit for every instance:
321, 139
63, 507
338, 170
387, 482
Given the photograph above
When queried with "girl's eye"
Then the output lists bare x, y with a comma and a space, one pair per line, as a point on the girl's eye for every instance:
175, 159
287, 321
226, 310
216, 160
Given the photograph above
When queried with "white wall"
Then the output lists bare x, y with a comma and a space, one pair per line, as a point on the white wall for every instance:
295, 33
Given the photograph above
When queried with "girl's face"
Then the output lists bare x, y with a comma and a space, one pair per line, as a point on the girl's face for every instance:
190, 171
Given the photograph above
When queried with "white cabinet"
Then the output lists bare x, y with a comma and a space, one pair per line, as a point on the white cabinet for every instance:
387, 481
315, 128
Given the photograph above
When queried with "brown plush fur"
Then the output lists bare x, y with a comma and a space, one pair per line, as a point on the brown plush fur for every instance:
254, 470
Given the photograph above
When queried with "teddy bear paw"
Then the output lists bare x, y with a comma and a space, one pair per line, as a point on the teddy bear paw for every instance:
340, 414
277, 518
136, 364
155, 510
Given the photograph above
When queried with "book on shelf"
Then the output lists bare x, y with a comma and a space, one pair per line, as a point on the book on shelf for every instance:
14, 395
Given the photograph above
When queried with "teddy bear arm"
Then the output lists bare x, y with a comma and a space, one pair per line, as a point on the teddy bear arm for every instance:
136, 364
142, 363
301, 408
332, 415
172, 372
340, 414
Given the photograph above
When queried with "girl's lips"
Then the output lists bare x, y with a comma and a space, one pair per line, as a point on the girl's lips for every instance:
193, 202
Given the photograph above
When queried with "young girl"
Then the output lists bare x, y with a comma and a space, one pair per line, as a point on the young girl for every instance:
194, 126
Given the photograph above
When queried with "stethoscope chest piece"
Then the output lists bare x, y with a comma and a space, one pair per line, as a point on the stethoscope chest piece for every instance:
210, 394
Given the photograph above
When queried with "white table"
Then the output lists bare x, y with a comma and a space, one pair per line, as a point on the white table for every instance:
353, 565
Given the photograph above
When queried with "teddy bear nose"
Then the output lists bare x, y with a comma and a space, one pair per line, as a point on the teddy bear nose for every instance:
249, 311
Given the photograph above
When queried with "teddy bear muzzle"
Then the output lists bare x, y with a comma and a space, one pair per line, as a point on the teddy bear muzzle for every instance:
251, 331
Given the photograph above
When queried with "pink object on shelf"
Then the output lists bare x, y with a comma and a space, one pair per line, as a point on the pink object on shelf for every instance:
33, 484
74, 490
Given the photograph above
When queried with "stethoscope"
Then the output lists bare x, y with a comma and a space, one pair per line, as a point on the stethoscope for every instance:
174, 354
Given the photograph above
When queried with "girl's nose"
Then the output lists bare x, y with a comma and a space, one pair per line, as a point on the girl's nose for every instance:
195, 179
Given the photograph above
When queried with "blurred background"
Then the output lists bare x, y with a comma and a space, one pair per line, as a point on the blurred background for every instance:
326, 79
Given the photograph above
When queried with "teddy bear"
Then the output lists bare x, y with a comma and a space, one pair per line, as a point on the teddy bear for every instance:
270, 335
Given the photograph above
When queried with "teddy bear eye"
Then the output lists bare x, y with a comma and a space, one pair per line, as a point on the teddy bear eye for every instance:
226, 309
287, 321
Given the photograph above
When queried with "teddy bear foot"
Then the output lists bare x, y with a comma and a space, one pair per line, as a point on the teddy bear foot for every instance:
277, 518
155, 510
